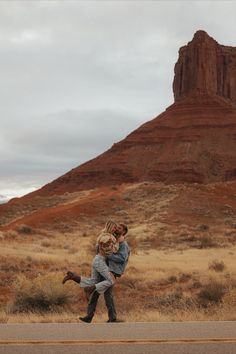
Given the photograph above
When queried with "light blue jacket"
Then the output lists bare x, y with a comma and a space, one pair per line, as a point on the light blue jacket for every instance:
118, 261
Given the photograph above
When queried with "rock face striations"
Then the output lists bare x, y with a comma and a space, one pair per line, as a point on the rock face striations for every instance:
204, 66
194, 140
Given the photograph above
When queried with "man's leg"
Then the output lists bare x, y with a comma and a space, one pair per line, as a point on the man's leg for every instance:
91, 307
109, 300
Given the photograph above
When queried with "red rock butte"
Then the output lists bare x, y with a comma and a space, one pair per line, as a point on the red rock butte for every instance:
204, 66
194, 140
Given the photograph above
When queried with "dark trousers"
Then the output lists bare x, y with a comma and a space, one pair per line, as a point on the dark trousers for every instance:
109, 300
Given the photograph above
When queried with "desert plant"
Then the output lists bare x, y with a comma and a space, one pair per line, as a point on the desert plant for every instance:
44, 293
196, 284
127, 198
211, 292
173, 301
217, 266
24, 229
204, 227
206, 242
184, 277
172, 279
45, 243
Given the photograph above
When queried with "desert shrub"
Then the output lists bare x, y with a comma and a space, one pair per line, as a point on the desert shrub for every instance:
196, 284
172, 279
24, 229
217, 266
212, 292
42, 294
173, 301
206, 242
184, 277
127, 198
204, 227
45, 243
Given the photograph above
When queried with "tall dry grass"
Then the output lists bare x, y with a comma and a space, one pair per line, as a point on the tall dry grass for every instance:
41, 294
158, 285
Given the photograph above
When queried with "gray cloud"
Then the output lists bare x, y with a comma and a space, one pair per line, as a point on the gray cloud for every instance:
77, 76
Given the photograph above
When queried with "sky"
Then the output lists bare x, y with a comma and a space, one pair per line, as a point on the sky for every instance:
78, 76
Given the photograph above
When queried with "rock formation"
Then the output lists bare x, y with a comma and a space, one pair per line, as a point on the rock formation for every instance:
194, 140
204, 66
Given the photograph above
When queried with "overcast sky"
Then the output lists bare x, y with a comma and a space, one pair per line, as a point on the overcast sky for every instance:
78, 76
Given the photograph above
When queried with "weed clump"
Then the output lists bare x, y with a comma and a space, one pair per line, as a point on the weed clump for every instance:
172, 279
206, 242
25, 229
212, 292
204, 227
42, 294
217, 266
174, 301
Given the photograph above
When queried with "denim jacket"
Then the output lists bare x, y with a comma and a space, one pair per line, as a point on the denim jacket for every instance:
118, 261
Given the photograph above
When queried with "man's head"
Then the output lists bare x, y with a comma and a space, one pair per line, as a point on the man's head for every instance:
120, 232
123, 229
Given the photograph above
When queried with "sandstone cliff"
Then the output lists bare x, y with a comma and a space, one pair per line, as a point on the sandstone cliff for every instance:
204, 66
194, 140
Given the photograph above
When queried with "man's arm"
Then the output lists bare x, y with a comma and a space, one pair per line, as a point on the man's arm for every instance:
121, 256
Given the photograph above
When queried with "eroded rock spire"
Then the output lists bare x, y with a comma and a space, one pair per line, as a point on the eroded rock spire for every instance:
204, 66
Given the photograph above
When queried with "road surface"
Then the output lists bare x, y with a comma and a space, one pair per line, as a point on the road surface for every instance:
114, 338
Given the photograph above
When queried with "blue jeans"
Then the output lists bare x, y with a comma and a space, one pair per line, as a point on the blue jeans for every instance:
109, 300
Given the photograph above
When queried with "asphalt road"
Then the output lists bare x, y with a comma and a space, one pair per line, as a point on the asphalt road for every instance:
114, 338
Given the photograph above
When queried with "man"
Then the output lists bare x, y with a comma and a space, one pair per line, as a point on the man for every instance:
116, 265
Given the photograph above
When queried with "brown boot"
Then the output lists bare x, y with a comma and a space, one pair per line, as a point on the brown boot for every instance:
69, 276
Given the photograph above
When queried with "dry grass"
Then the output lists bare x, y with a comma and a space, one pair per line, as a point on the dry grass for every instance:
217, 266
41, 294
169, 268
